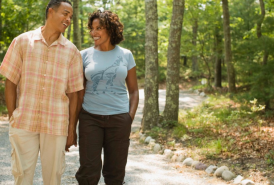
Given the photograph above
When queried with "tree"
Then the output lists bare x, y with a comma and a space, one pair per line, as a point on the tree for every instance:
218, 58
151, 108
1, 36
173, 63
76, 29
228, 52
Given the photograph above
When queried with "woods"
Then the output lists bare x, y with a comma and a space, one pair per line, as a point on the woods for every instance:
177, 44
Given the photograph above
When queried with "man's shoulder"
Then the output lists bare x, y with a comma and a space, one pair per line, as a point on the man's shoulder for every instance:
25, 35
70, 44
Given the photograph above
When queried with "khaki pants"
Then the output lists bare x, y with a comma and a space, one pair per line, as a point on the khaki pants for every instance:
25, 148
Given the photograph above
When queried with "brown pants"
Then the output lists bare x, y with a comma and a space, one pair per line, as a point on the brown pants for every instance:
25, 148
110, 133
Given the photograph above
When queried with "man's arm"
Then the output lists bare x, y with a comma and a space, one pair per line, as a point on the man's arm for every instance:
72, 136
10, 96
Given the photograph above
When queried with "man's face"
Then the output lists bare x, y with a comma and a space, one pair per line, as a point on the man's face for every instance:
61, 18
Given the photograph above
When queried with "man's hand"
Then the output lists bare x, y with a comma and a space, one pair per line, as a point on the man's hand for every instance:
71, 140
72, 136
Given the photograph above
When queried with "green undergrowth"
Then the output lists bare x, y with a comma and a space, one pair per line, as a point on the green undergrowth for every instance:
219, 127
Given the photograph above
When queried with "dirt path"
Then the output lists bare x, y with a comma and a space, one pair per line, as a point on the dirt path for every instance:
143, 168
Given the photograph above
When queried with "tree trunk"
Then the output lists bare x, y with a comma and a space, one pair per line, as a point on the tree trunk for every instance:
69, 32
266, 54
76, 29
1, 36
151, 108
194, 43
173, 62
218, 59
82, 22
228, 53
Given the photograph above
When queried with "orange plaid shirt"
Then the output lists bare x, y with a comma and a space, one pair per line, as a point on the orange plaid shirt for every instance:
44, 74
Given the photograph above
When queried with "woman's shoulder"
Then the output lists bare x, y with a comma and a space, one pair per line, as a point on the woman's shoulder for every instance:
124, 50
87, 50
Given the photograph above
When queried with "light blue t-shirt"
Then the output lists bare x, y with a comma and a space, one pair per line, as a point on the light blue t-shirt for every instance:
106, 71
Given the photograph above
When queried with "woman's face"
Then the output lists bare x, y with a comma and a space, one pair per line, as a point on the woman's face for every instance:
99, 34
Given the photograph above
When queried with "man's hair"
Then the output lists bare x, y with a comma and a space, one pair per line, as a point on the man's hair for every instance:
55, 5
111, 22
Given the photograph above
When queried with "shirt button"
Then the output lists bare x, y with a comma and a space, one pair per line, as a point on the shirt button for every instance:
45, 75
43, 88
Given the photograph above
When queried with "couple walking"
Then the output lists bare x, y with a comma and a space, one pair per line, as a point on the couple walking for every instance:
50, 85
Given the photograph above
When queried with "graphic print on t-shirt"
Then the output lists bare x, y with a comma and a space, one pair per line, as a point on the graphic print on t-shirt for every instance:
108, 75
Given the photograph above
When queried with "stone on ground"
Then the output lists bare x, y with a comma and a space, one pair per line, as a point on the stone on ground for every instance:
200, 166
168, 153
228, 175
194, 163
247, 182
147, 140
180, 158
188, 162
211, 169
238, 179
219, 171
157, 148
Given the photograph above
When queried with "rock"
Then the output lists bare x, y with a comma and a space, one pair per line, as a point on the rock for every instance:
177, 145
200, 166
238, 179
202, 94
247, 182
194, 163
228, 175
174, 158
151, 144
211, 169
157, 148
142, 139
188, 162
147, 140
219, 171
180, 158
168, 153
197, 91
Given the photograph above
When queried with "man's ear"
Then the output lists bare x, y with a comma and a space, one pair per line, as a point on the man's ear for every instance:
50, 11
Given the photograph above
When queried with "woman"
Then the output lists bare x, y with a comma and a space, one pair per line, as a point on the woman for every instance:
107, 112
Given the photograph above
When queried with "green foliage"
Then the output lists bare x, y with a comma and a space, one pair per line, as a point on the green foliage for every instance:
270, 157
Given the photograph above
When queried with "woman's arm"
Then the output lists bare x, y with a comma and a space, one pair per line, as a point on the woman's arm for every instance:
133, 91
81, 97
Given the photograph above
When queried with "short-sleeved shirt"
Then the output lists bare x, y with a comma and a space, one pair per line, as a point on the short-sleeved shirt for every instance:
106, 72
44, 75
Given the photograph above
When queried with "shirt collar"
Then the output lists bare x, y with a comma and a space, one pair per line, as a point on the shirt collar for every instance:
38, 36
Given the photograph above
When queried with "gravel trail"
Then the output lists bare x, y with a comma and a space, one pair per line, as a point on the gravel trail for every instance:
143, 167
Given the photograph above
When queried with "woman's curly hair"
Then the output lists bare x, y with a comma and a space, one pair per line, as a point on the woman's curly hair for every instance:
111, 22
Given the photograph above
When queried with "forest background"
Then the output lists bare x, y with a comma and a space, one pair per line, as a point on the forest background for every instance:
227, 44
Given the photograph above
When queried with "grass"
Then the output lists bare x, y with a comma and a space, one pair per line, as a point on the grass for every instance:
224, 132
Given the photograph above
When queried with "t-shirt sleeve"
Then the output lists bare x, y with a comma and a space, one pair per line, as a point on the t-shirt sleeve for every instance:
75, 79
12, 63
131, 62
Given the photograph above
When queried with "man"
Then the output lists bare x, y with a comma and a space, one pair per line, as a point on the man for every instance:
47, 70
